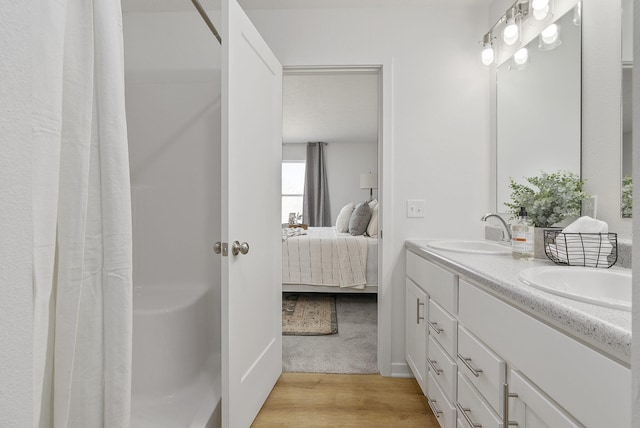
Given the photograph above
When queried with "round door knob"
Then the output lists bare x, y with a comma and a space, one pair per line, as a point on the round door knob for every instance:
238, 248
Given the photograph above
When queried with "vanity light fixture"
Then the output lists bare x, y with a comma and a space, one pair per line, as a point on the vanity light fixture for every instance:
540, 9
549, 37
488, 53
511, 31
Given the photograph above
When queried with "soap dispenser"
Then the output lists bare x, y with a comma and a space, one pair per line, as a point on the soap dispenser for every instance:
522, 237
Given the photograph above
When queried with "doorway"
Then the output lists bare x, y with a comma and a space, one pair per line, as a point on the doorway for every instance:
339, 106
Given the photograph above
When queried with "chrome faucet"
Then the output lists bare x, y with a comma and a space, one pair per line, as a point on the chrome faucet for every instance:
504, 224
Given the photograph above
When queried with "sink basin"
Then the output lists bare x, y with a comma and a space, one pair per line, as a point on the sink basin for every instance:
472, 247
610, 288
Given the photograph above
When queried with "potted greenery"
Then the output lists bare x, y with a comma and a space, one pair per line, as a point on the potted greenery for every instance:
626, 207
549, 198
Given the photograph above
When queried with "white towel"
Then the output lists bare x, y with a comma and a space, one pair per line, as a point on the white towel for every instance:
590, 248
587, 224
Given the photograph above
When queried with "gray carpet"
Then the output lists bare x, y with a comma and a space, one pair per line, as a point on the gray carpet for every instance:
353, 350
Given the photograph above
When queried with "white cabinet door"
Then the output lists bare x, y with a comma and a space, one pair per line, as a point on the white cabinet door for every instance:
250, 170
416, 332
531, 408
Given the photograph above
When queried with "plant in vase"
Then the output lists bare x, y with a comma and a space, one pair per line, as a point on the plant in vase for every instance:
548, 198
626, 207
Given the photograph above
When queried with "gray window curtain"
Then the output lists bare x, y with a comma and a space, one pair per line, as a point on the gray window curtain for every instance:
315, 206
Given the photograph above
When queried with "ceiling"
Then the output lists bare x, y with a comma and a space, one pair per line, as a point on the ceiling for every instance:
184, 5
334, 107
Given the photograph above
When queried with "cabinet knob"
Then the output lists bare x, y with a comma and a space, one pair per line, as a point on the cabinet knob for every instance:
434, 327
467, 362
505, 406
418, 304
434, 409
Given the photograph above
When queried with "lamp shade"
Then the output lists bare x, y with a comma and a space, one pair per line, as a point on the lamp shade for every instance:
368, 180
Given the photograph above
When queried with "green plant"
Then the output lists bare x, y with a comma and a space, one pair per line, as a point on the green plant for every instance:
626, 205
553, 197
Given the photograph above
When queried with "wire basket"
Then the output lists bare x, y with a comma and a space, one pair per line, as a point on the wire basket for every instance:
599, 250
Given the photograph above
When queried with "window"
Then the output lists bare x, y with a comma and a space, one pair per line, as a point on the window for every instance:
292, 188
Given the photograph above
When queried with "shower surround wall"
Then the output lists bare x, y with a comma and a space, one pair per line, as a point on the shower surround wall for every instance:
16, 226
173, 114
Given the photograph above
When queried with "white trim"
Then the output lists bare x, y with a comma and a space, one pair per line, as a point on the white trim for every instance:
401, 370
384, 68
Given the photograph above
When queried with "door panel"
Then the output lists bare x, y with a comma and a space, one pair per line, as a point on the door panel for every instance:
251, 159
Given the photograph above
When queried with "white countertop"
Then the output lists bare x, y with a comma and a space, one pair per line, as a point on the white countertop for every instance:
606, 329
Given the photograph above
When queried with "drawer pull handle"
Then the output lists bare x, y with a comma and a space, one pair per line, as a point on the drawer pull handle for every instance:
418, 317
505, 406
434, 326
435, 368
434, 409
467, 362
465, 413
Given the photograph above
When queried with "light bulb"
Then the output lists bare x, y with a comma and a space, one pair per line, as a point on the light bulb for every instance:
521, 56
540, 9
549, 35
510, 34
488, 55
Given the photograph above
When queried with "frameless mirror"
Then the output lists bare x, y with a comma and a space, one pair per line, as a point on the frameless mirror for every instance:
539, 111
627, 113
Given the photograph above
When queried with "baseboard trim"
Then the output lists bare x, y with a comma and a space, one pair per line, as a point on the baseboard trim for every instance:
401, 370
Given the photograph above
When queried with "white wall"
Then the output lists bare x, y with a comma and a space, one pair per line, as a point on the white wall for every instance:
439, 114
173, 83
344, 161
173, 121
16, 229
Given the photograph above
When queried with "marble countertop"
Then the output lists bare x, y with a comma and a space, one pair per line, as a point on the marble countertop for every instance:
606, 329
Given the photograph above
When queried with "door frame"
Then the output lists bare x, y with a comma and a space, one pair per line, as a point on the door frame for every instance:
385, 181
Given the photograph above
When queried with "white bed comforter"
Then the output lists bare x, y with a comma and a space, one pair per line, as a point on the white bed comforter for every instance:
325, 257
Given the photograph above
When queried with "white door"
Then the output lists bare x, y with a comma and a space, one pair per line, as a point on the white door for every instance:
251, 162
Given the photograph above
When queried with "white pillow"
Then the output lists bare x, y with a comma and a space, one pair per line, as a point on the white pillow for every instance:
342, 221
373, 203
372, 229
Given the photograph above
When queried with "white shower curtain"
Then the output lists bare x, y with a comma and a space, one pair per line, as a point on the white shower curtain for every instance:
82, 217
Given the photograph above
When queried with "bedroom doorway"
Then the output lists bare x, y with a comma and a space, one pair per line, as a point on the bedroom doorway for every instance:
338, 109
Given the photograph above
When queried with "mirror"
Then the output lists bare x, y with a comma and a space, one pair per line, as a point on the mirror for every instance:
627, 116
539, 111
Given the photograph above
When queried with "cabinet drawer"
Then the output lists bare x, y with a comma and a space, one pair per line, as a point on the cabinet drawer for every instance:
443, 327
440, 284
532, 408
444, 369
483, 368
440, 406
472, 407
577, 370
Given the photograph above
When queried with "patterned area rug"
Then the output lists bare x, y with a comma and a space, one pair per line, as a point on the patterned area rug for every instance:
308, 314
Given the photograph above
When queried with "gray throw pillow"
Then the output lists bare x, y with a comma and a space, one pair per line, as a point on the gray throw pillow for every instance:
360, 219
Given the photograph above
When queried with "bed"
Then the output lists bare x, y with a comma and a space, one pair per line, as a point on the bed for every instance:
322, 260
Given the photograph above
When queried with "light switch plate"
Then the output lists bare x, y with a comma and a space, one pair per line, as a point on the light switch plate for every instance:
415, 208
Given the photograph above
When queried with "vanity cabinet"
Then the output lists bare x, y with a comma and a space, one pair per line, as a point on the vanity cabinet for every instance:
489, 363
441, 289
416, 332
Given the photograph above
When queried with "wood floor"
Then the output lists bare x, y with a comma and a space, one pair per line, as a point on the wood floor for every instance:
334, 400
